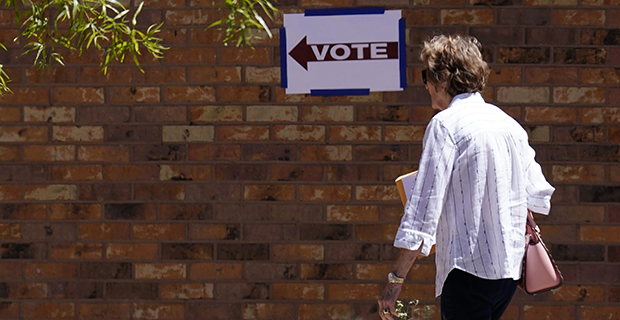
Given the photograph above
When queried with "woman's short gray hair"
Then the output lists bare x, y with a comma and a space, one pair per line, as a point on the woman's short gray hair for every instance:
455, 60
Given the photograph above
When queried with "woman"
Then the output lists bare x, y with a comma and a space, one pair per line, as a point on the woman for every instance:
476, 181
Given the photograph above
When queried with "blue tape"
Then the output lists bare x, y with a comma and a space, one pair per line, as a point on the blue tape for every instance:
283, 54
343, 11
340, 92
402, 54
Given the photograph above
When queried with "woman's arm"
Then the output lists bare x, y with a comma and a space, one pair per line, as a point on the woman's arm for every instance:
390, 292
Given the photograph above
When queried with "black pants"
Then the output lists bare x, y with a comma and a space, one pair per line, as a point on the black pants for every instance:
465, 296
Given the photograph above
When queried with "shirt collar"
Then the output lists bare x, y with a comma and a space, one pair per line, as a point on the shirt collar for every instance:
466, 98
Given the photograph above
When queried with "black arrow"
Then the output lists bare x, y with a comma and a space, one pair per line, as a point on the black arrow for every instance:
303, 53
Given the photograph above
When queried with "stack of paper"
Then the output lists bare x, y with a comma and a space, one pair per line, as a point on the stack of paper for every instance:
405, 186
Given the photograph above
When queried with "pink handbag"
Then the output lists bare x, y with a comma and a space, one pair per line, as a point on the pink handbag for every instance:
540, 273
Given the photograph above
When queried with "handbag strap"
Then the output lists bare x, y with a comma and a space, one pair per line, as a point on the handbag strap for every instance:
532, 229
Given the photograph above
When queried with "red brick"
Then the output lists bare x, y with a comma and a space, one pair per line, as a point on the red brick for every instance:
614, 18
76, 251
327, 113
23, 134
269, 192
377, 193
78, 95
376, 233
10, 114
541, 312
296, 173
599, 234
24, 211
244, 94
23, 96
10, 231
350, 291
262, 75
105, 115
128, 95
49, 153
352, 213
199, 17
190, 56
266, 311
296, 252
160, 271
600, 76
77, 133
9, 153
552, 75
27, 290
578, 17
103, 153
55, 271
113, 75
523, 95
599, 312
214, 153
209, 36
159, 192
240, 56
216, 113
466, 17
298, 291
50, 192
130, 172
219, 271
178, 172
101, 231
579, 293
214, 74
580, 95
324, 193
583, 174
132, 251
243, 133
187, 291
324, 311
158, 311
104, 311
551, 114
10, 192
159, 231
44, 310
153, 114
600, 115
326, 153
76, 172
159, 74
67, 211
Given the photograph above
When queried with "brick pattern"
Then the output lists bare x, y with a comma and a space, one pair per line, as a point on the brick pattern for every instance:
199, 190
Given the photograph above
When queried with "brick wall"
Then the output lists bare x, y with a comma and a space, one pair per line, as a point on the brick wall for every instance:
199, 190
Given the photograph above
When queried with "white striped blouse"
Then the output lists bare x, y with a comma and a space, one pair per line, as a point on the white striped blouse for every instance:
476, 179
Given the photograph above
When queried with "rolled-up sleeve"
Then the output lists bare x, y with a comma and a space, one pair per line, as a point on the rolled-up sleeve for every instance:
538, 190
424, 207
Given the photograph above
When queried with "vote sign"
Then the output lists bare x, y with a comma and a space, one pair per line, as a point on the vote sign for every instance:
343, 51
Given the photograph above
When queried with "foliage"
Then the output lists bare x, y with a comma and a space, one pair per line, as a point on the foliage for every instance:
76, 25
49, 25
409, 310
242, 17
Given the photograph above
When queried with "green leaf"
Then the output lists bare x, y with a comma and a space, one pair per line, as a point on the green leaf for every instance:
134, 21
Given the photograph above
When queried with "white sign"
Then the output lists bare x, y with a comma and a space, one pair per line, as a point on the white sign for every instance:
343, 51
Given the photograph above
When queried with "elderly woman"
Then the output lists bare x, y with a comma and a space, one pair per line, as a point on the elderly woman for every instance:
476, 181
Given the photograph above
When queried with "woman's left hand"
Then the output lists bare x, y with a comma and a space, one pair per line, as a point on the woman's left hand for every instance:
387, 301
